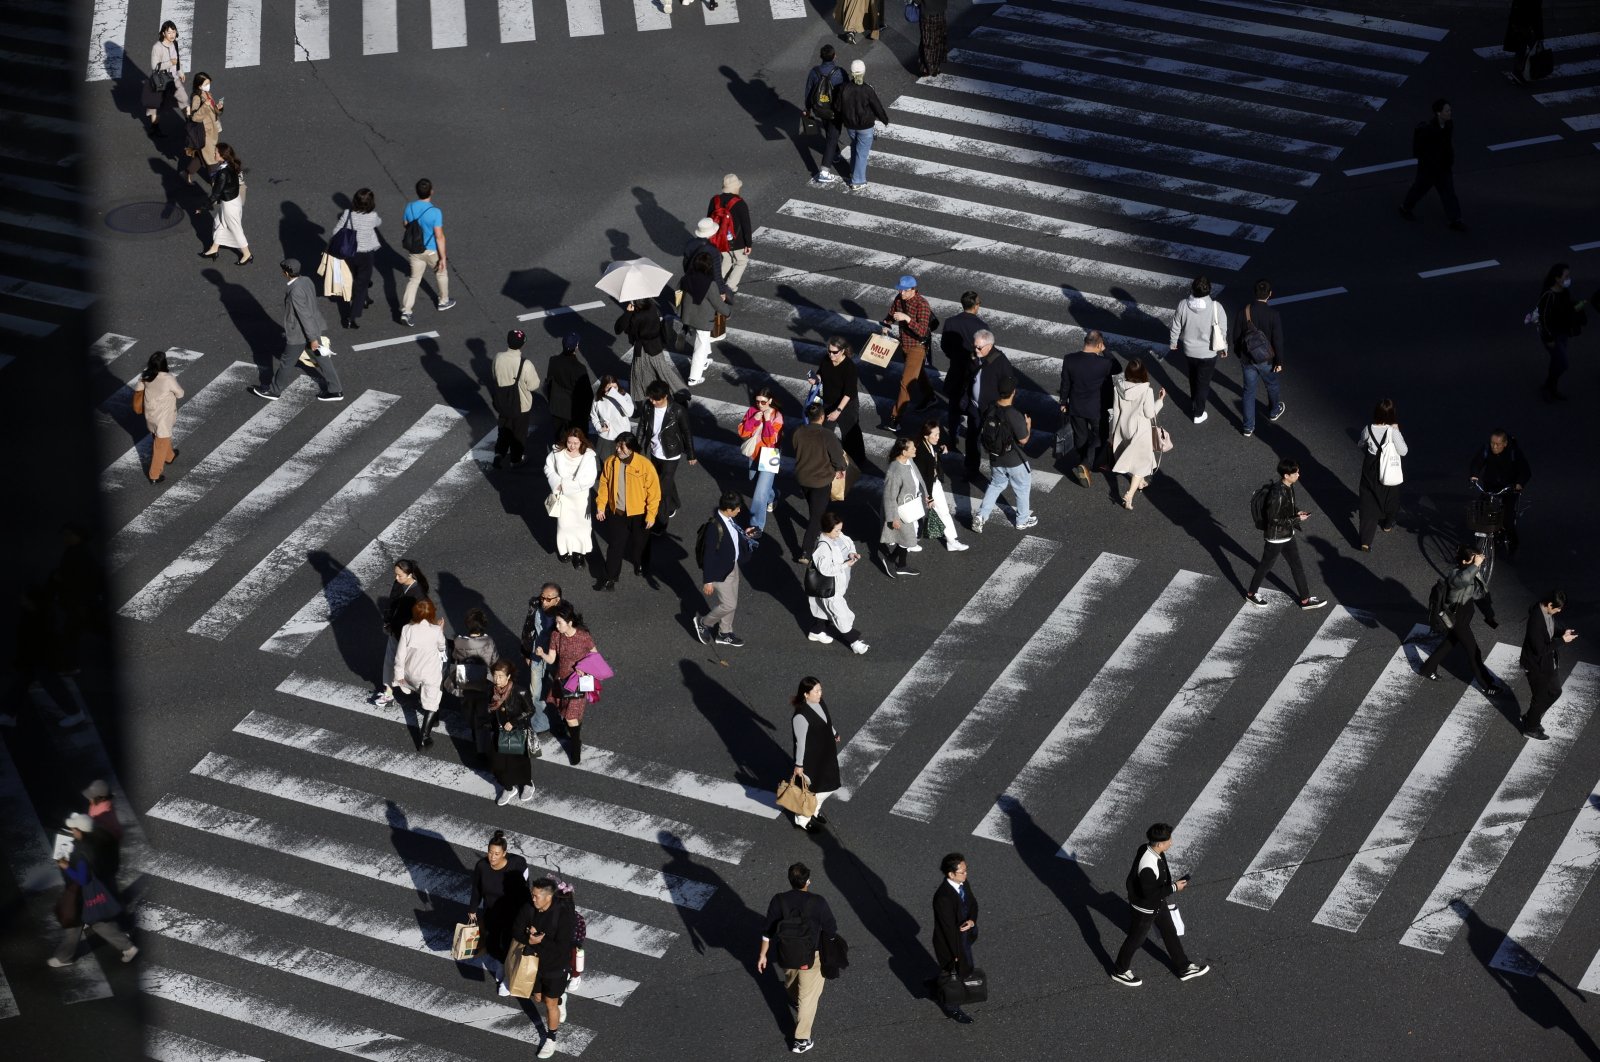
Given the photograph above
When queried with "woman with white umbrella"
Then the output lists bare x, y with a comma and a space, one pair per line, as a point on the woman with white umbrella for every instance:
637, 284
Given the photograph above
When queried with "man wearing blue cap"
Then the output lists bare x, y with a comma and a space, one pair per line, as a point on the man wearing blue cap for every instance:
914, 317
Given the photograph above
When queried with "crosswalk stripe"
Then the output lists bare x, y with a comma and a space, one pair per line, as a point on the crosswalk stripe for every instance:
225, 534
244, 34
129, 466
311, 20
377, 557
334, 514
338, 971
1209, 74
1100, 81
1075, 166
380, 27
574, 862
46, 294
1050, 262
516, 21
108, 32
1582, 94
1502, 819
1553, 899
595, 814
1590, 982
584, 18
726, 14
181, 14
449, 23
789, 9
647, 773
1352, 19
992, 183
652, 14
1182, 125
1096, 141
982, 726
1584, 123
8, 999
867, 747
1296, 833
1379, 857
164, 1045
1587, 66
250, 1009
1557, 44
120, 404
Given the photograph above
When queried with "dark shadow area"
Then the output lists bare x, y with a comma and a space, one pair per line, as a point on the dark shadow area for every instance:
456, 599
301, 237
894, 927
536, 289
260, 331
1536, 999
456, 386
1066, 881
436, 874
758, 755
189, 199
668, 232
358, 627
1173, 501
775, 117
1351, 582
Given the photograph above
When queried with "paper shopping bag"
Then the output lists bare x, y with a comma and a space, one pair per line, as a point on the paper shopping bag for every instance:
465, 944
878, 350
522, 970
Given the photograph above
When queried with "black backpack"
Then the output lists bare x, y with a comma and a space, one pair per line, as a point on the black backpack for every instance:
796, 938
412, 241
820, 105
995, 434
1439, 617
1258, 506
701, 539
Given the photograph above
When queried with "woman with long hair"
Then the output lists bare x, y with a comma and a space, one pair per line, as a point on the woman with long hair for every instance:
571, 471
832, 558
762, 427
905, 501
166, 79
410, 586
510, 711
202, 128
647, 335
929, 460
610, 416
363, 219
816, 748
472, 655
570, 642
1133, 418
227, 201
1380, 501
156, 392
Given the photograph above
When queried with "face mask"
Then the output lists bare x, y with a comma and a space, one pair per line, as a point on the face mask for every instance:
1567, 283
206, 87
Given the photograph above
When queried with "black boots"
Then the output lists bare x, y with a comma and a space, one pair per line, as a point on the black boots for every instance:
575, 744
428, 720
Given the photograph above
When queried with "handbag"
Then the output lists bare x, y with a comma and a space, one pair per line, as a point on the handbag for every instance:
513, 742
1160, 439
719, 325
816, 584
138, 401
521, 970
160, 79
343, 243
913, 13
769, 460
879, 350
1219, 340
98, 903
797, 799
1390, 473
751, 445
552, 504
840, 485
912, 511
935, 525
956, 989
592, 663
1539, 64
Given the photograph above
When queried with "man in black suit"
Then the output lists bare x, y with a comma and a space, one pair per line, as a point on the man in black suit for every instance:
1540, 659
955, 926
1085, 398
956, 342
989, 366
725, 542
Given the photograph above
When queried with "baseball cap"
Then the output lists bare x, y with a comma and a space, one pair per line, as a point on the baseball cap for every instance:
908, 282
571, 342
98, 790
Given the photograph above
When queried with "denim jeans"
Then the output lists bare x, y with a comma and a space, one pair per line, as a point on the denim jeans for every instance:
1263, 373
860, 148
1019, 479
766, 490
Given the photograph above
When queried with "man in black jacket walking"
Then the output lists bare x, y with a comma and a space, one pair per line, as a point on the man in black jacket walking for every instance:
797, 922
1541, 658
859, 108
1085, 397
1433, 145
1465, 592
955, 927
664, 438
822, 108
1254, 324
1149, 884
989, 367
956, 342
1283, 517
726, 542
548, 924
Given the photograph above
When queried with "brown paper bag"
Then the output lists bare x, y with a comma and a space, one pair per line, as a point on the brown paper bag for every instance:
879, 350
465, 944
522, 970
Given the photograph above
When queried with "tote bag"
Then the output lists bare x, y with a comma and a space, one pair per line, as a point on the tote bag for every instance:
1389, 471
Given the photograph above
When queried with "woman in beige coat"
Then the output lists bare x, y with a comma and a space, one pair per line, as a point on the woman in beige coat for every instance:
156, 394
204, 128
1133, 417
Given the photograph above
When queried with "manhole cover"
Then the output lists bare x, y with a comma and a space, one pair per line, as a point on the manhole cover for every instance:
140, 218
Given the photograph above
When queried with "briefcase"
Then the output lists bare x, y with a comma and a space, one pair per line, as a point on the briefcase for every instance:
879, 350
522, 970
465, 944
957, 991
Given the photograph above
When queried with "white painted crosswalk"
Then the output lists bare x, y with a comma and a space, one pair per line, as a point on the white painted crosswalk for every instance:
1572, 90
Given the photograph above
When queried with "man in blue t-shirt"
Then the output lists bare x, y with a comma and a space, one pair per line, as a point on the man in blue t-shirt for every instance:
430, 219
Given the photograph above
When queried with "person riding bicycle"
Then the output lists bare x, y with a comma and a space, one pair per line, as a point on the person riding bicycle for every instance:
1500, 466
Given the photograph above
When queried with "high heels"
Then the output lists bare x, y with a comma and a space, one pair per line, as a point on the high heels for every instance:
211, 254
1127, 500
247, 259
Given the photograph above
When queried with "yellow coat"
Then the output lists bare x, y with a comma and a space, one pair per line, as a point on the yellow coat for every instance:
643, 488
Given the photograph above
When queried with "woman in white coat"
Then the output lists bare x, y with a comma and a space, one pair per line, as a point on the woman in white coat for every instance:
610, 416
419, 659
1133, 417
833, 558
571, 471
1200, 330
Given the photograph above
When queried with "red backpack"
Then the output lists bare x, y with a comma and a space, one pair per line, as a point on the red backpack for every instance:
722, 214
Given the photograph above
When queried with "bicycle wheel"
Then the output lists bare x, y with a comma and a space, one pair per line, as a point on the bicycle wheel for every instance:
1496, 540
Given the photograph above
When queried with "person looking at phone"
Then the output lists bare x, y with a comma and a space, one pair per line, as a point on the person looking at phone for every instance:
1280, 521
1149, 884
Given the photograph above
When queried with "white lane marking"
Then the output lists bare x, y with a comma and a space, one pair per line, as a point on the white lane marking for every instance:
1209, 74
1502, 819
1572, 95
949, 652
1583, 69
1144, 120
1297, 831
380, 27
727, 13
1552, 138
227, 532
993, 183
181, 14
132, 465
8, 999
584, 18
1380, 167
376, 557
409, 337
1402, 822
1575, 41
1049, 262
448, 20
109, 347
1553, 899
1338, 18
1013, 689
752, 800
337, 971
585, 811
1583, 123
244, 34
652, 14
108, 33
1591, 976
516, 21
47, 294
1585, 246
248, 1008
1076, 166
1487, 263
311, 20
1146, 90
430, 934
289, 555
585, 866
120, 404
1307, 296
789, 9
1090, 140
164, 1045
558, 310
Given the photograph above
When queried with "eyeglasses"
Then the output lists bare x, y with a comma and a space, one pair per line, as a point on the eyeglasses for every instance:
551, 597
835, 350
763, 402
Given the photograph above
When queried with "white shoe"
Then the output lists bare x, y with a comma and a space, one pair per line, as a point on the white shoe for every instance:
956, 547
130, 954
56, 963
504, 991
821, 636
860, 648
1201, 419
561, 1008
547, 1049
503, 799
525, 793
914, 549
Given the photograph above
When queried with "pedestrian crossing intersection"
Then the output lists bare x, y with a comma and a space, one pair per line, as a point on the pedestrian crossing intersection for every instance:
1572, 90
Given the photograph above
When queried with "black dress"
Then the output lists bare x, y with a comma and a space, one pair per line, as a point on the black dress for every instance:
497, 896
839, 381
511, 770
819, 757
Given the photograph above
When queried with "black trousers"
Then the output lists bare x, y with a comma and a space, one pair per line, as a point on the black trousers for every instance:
1086, 440
1545, 688
817, 501
361, 266
1269, 557
1444, 182
1200, 372
625, 537
1460, 636
511, 442
854, 445
668, 471
957, 382
1139, 927
830, 143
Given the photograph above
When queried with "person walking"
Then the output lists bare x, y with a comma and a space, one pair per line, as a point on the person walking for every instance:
841, 387
549, 927
905, 501
911, 314
797, 922
1149, 885
1524, 30
568, 391
570, 642
516, 381
822, 109
955, 926
859, 110
627, 501
1463, 592
857, 17
724, 543
664, 435
1433, 146
536, 630
202, 128
1086, 393
700, 243
990, 369
957, 343
762, 423
1005, 431
1133, 418
1559, 321
572, 471
419, 660
647, 334
165, 84
1280, 521
832, 558
1499, 467
156, 393
929, 459
467, 678
1382, 447
410, 586
362, 219
227, 206
302, 339
1200, 330
89, 904
499, 889
705, 298
509, 711
425, 248
1257, 339
816, 749
609, 416
1541, 659
818, 462
103, 809
934, 45
730, 213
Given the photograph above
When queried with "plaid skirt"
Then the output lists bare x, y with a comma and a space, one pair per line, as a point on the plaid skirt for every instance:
935, 45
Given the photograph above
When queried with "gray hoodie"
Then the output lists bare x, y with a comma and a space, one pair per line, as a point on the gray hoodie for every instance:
1191, 326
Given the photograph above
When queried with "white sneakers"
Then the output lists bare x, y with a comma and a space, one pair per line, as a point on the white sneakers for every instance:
525, 793
821, 636
503, 799
548, 1048
954, 546
1201, 419
860, 648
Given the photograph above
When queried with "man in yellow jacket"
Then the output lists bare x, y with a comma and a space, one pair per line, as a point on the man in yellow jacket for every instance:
626, 501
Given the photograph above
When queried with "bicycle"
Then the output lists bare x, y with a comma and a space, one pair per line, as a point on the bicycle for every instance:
1489, 513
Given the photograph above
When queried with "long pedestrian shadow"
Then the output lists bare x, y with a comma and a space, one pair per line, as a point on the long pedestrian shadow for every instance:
895, 928
775, 117
358, 627
428, 857
1066, 880
456, 599
300, 237
189, 200
260, 332
665, 230
1168, 496
1351, 581
749, 738
1532, 995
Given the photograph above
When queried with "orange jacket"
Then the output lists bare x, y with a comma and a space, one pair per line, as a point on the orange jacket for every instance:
643, 487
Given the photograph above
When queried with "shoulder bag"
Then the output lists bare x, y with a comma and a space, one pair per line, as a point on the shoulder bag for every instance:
1390, 473
513, 742
343, 243
797, 799
1219, 339
816, 584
